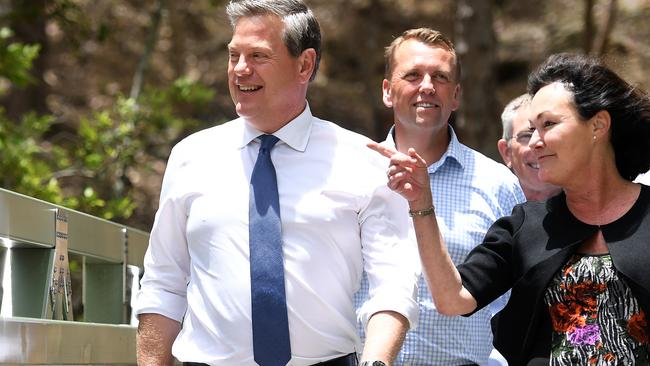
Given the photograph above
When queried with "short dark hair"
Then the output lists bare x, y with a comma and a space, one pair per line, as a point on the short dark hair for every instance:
595, 88
301, 29
427, 36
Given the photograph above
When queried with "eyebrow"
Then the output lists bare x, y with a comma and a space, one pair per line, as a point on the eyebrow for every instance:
256, 48
542, 113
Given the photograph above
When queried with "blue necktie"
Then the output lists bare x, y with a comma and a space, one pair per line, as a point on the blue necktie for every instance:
271, 345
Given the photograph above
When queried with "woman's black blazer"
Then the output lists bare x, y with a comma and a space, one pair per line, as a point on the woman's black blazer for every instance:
525, 250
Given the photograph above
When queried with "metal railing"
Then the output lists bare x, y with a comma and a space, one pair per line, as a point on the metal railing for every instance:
66, 285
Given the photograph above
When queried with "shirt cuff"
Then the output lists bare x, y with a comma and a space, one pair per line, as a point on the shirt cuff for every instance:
392, 299
164, 303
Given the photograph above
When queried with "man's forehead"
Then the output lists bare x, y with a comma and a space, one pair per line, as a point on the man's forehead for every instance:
250, 43
256, 36
410, 57
414, 43
521, 115
259, 25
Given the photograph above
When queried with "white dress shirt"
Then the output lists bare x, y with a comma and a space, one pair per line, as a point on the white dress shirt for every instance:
338, 218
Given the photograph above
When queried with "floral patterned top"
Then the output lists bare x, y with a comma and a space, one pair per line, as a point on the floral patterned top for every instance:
596, 319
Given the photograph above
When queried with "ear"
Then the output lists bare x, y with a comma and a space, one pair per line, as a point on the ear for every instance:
385, 87
456, 101
504, 151
306, 64
601, 123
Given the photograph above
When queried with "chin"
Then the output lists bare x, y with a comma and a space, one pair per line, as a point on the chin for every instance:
545, 179
241, 110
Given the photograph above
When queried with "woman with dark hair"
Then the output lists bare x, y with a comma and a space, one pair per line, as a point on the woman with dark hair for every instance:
578, 264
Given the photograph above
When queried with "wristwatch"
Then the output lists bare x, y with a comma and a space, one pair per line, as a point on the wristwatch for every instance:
372, 363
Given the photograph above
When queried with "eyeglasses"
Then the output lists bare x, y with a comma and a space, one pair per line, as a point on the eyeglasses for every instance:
523, 137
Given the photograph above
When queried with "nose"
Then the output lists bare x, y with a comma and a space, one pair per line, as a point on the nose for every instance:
535, 140
426, 86
241, 66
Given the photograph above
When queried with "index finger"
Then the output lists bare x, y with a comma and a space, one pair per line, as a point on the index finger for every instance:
382, 149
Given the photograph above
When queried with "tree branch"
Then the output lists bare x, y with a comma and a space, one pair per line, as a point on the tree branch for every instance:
601, 40
588, 35
152, 39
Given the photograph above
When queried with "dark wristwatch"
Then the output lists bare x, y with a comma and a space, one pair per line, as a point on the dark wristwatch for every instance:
372, 363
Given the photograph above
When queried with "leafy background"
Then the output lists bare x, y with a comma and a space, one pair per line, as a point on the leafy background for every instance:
94, 93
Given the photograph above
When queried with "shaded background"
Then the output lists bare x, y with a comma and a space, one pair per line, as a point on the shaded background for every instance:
96, 92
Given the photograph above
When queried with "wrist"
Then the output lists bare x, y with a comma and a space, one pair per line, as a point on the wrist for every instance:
420, 204
423, 212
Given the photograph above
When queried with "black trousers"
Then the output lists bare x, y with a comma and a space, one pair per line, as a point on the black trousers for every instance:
349, 360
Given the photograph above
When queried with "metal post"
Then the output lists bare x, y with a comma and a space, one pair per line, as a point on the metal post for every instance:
59, 304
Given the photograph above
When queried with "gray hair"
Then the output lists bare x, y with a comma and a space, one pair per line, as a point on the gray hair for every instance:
509, 113
301, 29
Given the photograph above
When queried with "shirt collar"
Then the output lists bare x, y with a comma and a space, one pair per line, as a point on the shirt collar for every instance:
454, 150
295, 133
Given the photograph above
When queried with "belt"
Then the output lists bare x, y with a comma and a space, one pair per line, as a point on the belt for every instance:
348, 360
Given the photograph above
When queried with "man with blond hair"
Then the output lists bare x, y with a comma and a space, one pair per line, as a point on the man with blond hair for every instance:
471, 191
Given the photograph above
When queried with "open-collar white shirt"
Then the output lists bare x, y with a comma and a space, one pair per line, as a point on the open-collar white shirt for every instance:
338, 218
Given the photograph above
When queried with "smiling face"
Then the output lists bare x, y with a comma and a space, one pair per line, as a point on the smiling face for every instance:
519, 157
422, 89
562, 141
267, 85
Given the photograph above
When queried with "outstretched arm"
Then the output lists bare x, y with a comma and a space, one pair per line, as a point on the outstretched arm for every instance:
408, 176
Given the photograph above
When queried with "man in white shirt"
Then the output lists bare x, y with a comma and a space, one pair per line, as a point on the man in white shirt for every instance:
338, 218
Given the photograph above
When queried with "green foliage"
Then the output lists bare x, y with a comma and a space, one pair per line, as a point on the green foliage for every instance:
109, 144
163, 115
188, 91
16, 59
27, 164
118, 140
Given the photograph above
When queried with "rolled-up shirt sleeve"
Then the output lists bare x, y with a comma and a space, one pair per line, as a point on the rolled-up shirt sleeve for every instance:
166, 262
390, 257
